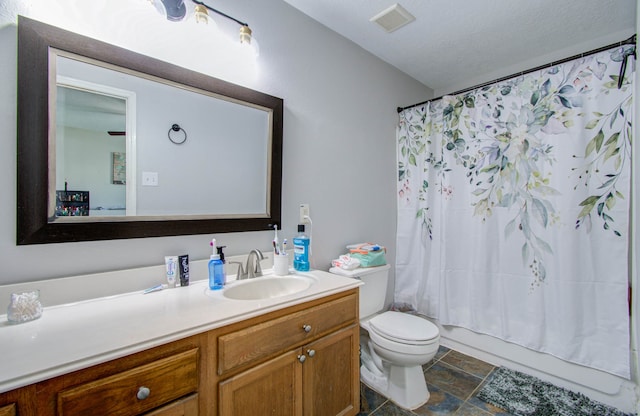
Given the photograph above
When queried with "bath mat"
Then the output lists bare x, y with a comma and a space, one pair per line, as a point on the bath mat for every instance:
524, 395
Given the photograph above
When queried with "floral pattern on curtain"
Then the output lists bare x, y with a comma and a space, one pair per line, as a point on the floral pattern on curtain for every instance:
513, 210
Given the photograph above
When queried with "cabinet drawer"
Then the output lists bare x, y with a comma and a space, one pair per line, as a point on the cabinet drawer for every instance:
252, 344
166, 379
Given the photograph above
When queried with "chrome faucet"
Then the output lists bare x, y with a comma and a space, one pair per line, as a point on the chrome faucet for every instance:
252, 268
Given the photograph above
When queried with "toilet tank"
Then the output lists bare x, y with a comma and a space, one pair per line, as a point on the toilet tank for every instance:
374, 291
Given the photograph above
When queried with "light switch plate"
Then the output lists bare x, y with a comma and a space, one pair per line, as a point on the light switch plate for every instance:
149, 178
304, 212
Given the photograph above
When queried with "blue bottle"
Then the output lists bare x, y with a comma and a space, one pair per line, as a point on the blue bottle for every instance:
217, 278
301, 244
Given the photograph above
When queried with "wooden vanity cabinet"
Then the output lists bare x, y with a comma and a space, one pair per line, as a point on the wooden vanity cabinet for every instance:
308, 363
314, 380
301, 360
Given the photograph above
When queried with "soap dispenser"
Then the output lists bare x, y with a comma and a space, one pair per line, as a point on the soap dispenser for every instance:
220, 250
216, 269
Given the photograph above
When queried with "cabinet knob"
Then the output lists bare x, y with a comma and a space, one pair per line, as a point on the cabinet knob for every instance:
307, 328
302, 358
143, 393
311, 353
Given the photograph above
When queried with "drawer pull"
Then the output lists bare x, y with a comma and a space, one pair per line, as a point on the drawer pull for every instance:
307, 328
302, 358
143, 393
311, 353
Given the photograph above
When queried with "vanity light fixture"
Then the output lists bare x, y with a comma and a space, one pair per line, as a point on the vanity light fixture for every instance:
179, 10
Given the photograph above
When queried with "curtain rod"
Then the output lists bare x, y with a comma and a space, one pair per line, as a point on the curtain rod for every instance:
630, 41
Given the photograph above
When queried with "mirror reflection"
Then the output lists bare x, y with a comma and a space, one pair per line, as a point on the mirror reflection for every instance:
91, 146
214, 162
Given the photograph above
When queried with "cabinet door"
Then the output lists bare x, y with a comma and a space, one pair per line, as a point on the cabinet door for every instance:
331, 376
273, 388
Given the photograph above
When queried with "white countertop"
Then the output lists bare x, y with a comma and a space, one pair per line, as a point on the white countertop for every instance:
73, 336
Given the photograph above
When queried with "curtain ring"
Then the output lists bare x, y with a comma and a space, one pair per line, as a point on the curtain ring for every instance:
177, 128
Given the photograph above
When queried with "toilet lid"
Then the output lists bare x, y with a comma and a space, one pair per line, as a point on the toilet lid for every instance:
403, 327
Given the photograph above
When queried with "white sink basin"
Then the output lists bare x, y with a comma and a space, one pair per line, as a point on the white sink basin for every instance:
267, 287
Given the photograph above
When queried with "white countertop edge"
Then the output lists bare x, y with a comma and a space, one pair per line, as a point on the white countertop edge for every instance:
44, 373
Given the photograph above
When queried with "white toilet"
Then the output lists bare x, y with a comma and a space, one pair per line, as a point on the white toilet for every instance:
395, 345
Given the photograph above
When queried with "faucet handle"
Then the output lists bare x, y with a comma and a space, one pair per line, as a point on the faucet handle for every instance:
241, 273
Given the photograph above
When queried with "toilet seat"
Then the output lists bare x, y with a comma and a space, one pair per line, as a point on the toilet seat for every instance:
404, 328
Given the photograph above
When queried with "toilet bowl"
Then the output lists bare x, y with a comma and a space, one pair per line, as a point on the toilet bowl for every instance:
393, 345
402, 343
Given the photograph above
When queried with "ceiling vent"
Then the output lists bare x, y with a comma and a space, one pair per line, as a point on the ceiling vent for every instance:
393, 18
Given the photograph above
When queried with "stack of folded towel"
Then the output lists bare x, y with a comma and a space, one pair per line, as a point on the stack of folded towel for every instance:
361, 255
346, 262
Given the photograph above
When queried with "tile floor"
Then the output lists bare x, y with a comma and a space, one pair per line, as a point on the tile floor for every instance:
453, 379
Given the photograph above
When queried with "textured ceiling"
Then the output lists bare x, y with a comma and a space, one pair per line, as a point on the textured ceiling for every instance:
454, 42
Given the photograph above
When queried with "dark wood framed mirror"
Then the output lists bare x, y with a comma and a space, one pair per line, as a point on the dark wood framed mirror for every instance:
39, 220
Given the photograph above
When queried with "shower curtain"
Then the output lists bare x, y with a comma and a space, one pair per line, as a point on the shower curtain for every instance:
513, 210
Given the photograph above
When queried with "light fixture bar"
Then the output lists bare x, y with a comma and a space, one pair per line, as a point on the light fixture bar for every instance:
241, 23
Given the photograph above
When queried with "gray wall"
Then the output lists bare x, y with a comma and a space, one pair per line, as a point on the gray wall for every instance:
339, 130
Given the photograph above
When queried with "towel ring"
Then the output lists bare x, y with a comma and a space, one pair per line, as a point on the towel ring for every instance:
177, 128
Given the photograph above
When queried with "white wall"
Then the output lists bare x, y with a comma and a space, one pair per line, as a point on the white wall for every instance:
339, 129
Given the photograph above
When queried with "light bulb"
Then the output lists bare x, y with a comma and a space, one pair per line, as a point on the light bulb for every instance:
245, 35
201, 14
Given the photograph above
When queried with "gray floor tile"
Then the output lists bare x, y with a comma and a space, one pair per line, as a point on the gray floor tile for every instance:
468, 364
440, 403
390, 409
453, 380
369, 400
